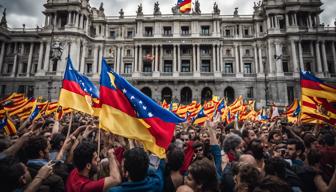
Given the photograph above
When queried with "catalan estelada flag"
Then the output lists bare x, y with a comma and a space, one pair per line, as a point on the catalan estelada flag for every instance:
315, 87
127, 112
35, 113
7, 126
78, 92
200, 118
184, 6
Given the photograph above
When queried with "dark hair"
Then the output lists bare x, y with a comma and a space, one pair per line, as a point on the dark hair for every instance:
231, 142
204, 173
175, 158
47, 123
83, 154
257, 149
313, 157
136, 163
56, 141
298, 144
272, 133
248, 175
276, 167
309, 139
34, 146
10, 173
328, 139
245, 133
272, 184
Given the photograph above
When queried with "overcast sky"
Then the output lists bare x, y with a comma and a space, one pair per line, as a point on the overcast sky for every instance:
29, 12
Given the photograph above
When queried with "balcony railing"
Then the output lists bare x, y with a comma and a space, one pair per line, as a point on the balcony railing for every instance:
186, 73
288, 73
228, 74
250, 75
147, 74
165, 74
207, 74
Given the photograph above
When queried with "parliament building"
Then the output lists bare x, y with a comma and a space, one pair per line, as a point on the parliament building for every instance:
173, 56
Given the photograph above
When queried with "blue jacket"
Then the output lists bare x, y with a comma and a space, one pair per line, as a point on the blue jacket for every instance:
152, 183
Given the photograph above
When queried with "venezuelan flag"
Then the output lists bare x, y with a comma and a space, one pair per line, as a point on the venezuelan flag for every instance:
7, 126
184, 5
315, 87
78, 92
127, 112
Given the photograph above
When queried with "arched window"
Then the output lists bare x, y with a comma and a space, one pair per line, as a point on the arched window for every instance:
186, 95
229, 93
167, 94
206, 94
147, 91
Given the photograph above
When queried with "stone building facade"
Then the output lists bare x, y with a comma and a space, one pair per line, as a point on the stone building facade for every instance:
173, 56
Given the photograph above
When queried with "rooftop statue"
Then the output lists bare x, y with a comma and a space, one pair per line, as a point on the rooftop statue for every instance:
175, 9
139, 11
197, 10
235, 13
216, 10
121, 13
157, 8
3, 22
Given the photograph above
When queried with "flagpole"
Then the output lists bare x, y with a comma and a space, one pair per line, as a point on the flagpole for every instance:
98, 141
69, 128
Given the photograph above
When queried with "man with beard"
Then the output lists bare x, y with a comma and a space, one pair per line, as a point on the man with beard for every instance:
295, 150
86, 162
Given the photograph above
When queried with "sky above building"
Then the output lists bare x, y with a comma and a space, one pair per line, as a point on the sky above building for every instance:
29, 12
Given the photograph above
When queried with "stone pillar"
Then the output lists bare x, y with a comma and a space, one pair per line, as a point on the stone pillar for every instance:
77, 20
161, 59
82, 68
214, 58
2, 56
194, 58
55, 19
174, 61
318, 57
198, 59
270, 58
310, 21
95, 60
46, 58
255, 58
30, 58
241, 59
121, 60
156, 67
294, 58
300, 55
81, 25
135, 66
39, 63
269, 22
261, 65
237, 59
278, 52
87, 25
220, 59
69, 18
324, 56
295, 19
46, 20
140, 59
287, 20
334, 54
117, 65
178, 58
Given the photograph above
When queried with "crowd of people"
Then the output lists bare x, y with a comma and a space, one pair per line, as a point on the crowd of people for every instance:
73, 155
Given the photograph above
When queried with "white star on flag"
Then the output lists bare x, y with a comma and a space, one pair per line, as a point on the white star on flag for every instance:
124, 90
132, 97
144, 107
140, 102
150, 114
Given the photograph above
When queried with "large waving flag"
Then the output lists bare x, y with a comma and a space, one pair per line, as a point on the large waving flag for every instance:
184, 6
200, 118
127, 112
78, 92
315, 87
7, 126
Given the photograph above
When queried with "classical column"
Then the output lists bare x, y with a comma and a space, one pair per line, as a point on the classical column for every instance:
300, 55
324, 56
77, 20
241, 59
95, 60
69, 18
334, 54
15, 59
140, 59
135, 66
81, 25
156, 67
121, 54
39, 63
161, 59
270, 57
294, 58
220, 59
30, 58
237, 59
287, 20
318, 57
46, 20
213, 58
82, 68
87, 25
2, 56
261, 65
55, 20
198, 58
194, 58
46, 58
278, 61
178, 58
174, 61
255, 58
118, 55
